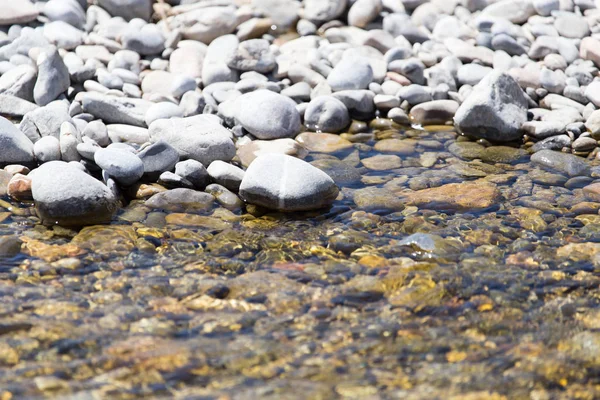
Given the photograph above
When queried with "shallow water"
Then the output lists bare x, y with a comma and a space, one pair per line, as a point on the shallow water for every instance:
490, 292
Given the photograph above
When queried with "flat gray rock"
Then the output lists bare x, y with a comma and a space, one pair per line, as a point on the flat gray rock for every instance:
47, 149
158, 158
568, 164
285, 183
351, 74
128, 9
11, 106
15, 147
145, 41
19, 82
495, 110
81, 200
123, 166
194, 172
181, 200
267, 115
45, 121
198, 138
252, 55
226, 174
116, 110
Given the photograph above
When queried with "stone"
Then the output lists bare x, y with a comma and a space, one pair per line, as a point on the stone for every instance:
200, 138
589, 49
342, 173
405, 147
47, 149
320, 142
69, 139
226, 174
116, 110
121, 165
97, 131
16, 147
592, 92
467, 196
119, 133
364, 11
128, 9
351, 73
326, 114
571, 25
205, 24
19, 188
11, 106
319, 11
158, 158
248, 152
285, 183
148, 40
252, 55
163, 110
516, 11
53, 77
181, 200
436, 112
267, 115
495, 109
63, 35
374, 199
568, 164
69, 11
20, 12
81, 200
382, 162
19, 81
194, 172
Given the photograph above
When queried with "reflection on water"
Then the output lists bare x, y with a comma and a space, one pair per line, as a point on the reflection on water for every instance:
445, 269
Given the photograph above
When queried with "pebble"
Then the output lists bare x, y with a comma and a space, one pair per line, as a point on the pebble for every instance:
181, 200
81, 200
116, 110
326, 114
16, 147
121, 165
158, 158
567, 164
47, 149
194, 172
267, 115
128, 9
285, 183
198, 138
53, 77
17, 13
350, 74
226, 174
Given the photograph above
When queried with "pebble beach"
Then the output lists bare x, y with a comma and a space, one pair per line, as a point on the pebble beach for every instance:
285, 199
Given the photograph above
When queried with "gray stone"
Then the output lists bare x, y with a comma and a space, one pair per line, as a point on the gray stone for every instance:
364, 11
584, 144
412, 68
252, 55
226, 174
116, 110
516, 11
495, 109
69, 139
552, 143
148, 40
69, 11
16, 147
128, 134
163, 110
121, 165
436, 112
12, 106
128, 9
545, 7
567, 164
157, 158
285, 183
350, 74
47, 149
96, 130
20, 12
63, 35
81, 200
225, 197
53, 77
19, 82
194, 172
181, 200
592, 92
553, 81
45, 121
267, 115
360, 103
472, 74
199, 138
415, 94
571, 25
326, 114
206, 24
323, 10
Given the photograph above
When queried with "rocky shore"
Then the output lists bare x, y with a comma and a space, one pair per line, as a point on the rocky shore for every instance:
111, 101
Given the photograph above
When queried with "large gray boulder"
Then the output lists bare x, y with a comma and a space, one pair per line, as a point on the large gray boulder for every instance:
15, 147
267, 115
285, 183
67, 196
495, 110
199, 138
